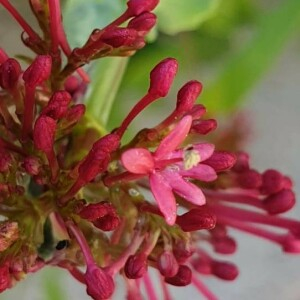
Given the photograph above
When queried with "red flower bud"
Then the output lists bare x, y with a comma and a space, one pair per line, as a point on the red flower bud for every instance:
272, 182
143, 23
196, 219
221, 160
224, 245
162, 76
136, 266
58, 105
182, 278
202, 265
75, 113
108, 223
72, 84
136, 7
31, 165
5, 281
224, 270
99, 284
280, 202
167, 264
291, 245
242, 162
119, 37
10, 71
249, 179
94, 211
38, 71
182, 251
203, 126
44, 133
187, 96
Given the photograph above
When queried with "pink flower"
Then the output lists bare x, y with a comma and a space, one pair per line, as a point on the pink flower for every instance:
168, 169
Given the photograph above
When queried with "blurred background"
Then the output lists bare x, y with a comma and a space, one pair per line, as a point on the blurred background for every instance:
247, 55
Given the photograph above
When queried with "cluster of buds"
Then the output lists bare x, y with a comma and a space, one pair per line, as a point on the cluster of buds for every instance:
71, 196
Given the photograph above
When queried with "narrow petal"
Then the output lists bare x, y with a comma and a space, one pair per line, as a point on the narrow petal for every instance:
174, 138
138, 161
183, 188
164, 197
201, 172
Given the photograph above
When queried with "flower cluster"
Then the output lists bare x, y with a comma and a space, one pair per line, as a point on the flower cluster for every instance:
71, 196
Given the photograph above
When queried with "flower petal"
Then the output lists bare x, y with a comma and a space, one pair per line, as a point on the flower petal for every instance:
174, 138
201, 172
183, 188
164, 197
138, 161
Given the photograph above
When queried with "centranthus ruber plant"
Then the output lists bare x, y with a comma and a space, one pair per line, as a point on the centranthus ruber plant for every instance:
81, 199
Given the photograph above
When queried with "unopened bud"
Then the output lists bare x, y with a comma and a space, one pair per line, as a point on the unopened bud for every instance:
44, 133
74, 114
10, 71
38, 71
272, 182
280, 202
108, 223
136, 7
167, 264
249, 179
224, 245
242, 162
100, 285
162, 76
31, 165
203, 126
187, 96
183, 250
94, 211
136, 266
182, 278
143, 23
224, 270
221, 160
58, 105
119, 37
196, 219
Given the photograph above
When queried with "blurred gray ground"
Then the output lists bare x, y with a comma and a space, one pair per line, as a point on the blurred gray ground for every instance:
274, 107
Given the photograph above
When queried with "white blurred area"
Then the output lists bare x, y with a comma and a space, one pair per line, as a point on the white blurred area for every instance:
266, 273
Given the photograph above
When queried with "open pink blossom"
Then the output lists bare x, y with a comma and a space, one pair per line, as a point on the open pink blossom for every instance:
169, 168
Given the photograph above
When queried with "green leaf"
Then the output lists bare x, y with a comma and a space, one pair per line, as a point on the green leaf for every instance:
82, 17
175, 16
107, 77
245, 68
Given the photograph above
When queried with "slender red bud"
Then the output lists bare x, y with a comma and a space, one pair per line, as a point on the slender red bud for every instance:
38, 71
94, 211
100, 285
224, 245
182, 278
272, 182
249, 179
31, 165
119, 37
167, 264
196, 219
242, 162
187, 96
224, 270
203, 126
280, 202
108, 223
136, 266
57, 106
221, 160
136, 7
10, 71
143, 23
162, 76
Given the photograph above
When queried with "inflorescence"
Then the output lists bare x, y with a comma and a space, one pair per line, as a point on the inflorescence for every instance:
80, 199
